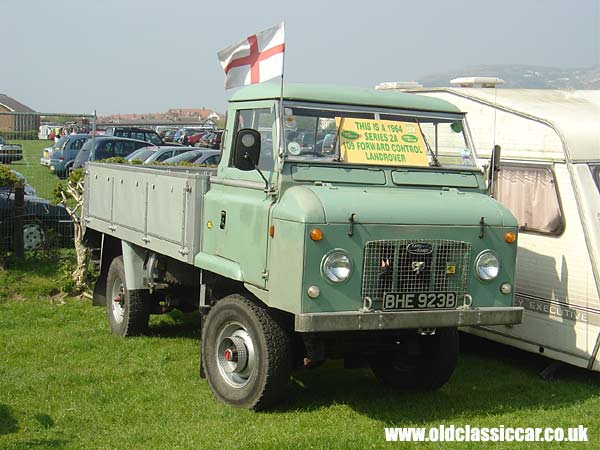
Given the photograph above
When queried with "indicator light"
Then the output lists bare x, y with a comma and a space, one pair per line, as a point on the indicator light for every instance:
316, 234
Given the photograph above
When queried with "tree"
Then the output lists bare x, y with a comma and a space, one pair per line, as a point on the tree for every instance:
70, 195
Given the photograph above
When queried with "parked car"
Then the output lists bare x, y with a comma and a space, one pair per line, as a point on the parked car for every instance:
169, 135
186, 133
148, 155
61, 156
195, 138
141, 134
42, 219
142, 154
215, 139
29, 189
10, 152
211, 157
106, 147
164, 153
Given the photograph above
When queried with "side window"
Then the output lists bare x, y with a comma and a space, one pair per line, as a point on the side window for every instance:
530, 194
164, 156
152, 137
78, 144
128, 148
261, 120
213, 159
117, 149
596, 174
103, 151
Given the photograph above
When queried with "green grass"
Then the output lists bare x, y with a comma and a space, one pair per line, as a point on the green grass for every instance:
36, 175
65, 382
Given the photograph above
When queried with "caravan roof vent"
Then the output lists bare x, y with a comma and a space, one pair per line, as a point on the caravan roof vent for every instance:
484, 82
398, 85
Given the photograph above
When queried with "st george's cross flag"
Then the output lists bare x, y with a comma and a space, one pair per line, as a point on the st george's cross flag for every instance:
255, 59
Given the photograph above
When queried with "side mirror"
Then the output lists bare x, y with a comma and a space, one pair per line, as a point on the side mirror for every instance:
246, 149
493, 170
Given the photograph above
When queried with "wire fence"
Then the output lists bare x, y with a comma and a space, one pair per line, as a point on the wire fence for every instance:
38, 149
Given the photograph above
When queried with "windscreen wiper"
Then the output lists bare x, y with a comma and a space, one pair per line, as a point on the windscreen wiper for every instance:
436, 162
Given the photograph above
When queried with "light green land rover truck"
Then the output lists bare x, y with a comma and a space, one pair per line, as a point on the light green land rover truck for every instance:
340, 223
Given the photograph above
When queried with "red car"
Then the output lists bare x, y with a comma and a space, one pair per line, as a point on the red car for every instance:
195, 138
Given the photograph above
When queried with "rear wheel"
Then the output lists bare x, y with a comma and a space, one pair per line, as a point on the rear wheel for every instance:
428, 370
128, 310
246, 353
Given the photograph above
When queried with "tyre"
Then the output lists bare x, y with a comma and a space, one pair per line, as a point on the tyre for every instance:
428, 370
246, 353
128, 310
33, 236
63, 174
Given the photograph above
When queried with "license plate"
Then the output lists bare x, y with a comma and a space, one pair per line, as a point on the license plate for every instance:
45, 154
52, 168
418, 300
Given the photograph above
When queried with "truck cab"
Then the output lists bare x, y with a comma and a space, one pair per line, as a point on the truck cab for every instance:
340, 223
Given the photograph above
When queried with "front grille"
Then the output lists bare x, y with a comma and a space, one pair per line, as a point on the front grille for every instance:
415, 266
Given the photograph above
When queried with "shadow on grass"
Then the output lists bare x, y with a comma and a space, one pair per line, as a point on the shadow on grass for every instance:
490, 379
44, 420
175, 325
8, 422
44, 443
39, 263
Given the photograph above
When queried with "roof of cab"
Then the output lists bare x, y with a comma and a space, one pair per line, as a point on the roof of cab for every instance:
343, 95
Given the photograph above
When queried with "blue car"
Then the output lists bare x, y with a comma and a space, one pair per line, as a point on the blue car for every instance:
61, 156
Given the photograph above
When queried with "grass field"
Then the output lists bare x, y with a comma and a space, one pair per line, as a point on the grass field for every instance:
65, 382
36, 175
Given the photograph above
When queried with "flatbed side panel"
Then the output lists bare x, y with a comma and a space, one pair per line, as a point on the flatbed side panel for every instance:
100, 205
129, 202
154, 208
167, 204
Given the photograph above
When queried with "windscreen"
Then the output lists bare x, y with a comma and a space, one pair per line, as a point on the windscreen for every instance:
376, 137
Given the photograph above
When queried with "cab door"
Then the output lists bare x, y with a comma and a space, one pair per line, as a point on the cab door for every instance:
237, 207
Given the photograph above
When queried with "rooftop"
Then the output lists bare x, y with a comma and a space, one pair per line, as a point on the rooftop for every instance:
343, 95
13, 105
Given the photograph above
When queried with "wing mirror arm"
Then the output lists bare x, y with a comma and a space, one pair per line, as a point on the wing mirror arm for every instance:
255, 167
493, 170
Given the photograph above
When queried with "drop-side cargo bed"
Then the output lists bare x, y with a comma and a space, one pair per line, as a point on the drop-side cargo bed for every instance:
156, 207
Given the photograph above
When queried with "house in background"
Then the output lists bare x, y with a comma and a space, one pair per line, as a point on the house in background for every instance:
16, 118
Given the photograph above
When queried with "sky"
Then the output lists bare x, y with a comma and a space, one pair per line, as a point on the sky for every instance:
138, 56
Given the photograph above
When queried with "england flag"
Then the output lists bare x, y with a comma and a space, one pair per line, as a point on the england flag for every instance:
255, 59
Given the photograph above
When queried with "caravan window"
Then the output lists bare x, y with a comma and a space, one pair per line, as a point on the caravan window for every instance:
596, 174
530, 194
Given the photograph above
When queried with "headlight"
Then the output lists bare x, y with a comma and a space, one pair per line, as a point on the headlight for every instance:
336, 266
487, 266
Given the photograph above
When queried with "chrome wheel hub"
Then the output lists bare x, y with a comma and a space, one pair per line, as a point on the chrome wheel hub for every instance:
235, 354
118, 301
33, 236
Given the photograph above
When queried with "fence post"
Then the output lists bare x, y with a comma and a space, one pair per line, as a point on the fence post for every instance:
18, 221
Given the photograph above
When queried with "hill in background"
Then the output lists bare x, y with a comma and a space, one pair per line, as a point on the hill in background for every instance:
523, 76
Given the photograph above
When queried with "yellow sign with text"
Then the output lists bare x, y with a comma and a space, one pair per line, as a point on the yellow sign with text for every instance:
381, 142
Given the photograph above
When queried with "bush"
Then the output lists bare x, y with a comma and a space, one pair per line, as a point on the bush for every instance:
7, 177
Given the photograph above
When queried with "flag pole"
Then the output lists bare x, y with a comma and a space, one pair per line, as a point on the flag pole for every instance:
281, 115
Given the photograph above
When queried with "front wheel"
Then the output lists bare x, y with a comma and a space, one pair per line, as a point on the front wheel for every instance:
246, 353
128, 310
428, 370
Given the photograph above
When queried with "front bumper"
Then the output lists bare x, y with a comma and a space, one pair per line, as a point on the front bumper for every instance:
401, 320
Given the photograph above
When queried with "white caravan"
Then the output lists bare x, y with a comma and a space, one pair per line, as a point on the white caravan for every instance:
550, 180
